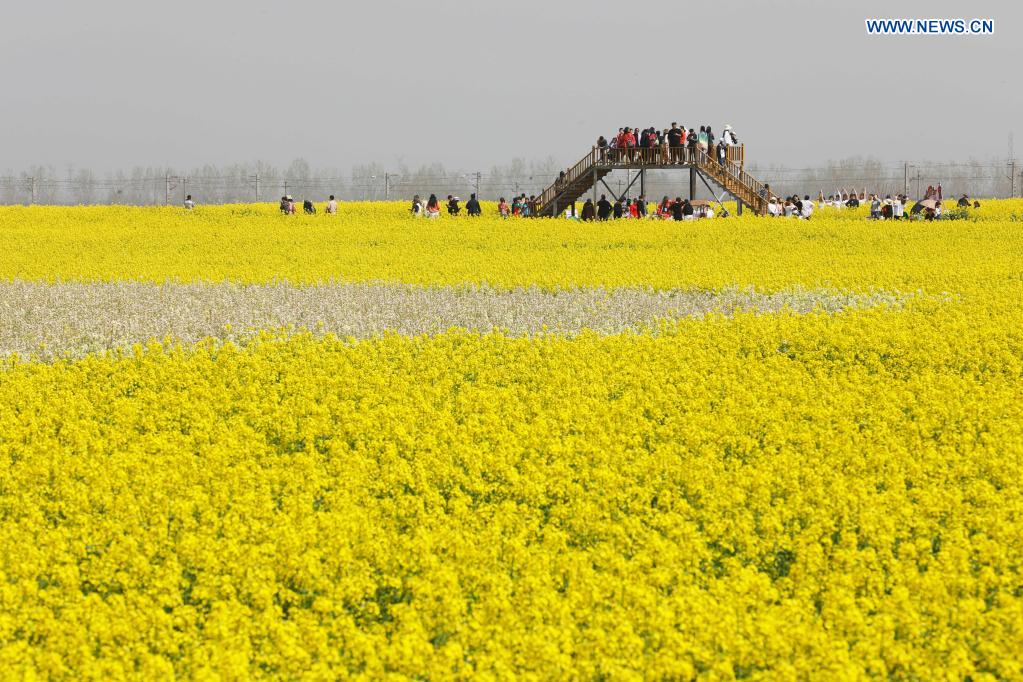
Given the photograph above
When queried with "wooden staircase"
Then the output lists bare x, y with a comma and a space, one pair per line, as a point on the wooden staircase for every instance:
735, 180
730, 176
564, 191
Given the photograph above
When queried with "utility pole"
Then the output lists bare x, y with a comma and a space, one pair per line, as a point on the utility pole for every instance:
184, 188
257, 187
387, 186
918, 183
285, 188
905, 180
167, 189
32, 184
1012, 178
478, 176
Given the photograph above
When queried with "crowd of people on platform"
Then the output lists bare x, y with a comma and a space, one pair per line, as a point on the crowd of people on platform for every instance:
674, 145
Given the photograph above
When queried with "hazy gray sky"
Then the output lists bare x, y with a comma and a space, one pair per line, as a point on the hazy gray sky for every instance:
118, 83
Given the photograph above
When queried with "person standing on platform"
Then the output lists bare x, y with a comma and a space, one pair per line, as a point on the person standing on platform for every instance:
676, 139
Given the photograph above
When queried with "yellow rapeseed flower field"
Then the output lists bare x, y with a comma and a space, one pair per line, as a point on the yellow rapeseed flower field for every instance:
380, 242
822, 494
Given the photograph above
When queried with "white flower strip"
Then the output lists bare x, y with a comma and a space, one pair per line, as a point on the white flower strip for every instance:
50, 320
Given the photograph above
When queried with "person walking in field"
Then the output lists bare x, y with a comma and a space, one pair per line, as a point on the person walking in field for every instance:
453, 207
472, 207
603, 208
807, 209
677, 209
189, 204
687, 210
331, 206
589, 213
308, 208
664, 208
503, 209
432, 207
417, 206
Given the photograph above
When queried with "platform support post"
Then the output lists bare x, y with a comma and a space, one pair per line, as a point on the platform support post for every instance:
692, 183
738, 206
642, 182
594, 189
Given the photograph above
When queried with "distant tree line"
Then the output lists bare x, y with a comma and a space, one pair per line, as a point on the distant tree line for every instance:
258, 181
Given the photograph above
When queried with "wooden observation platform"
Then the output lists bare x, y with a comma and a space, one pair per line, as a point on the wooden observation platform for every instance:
730, 176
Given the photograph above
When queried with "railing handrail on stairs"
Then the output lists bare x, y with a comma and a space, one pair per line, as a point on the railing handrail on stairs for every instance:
580, 169
755, 190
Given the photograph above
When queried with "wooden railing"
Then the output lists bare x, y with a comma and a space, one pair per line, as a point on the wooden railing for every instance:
580, 170
662, 156
734, 178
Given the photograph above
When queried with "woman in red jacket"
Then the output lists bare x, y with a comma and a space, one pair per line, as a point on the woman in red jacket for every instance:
630, 144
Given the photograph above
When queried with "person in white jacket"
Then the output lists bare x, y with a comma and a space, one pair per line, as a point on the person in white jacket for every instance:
807, 206
728, 136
